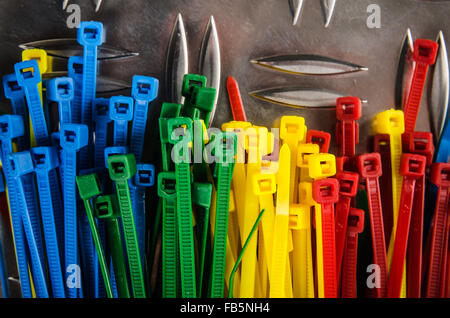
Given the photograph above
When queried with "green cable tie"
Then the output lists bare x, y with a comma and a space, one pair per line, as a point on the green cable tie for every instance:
88, 188
106, 208
121, 168
225, 164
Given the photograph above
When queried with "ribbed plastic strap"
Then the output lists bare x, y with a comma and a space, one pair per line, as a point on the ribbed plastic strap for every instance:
350, 260
185, 230
342, 211
76, 73
51, 239
329, 251
131, 242
37, 262
101, 140
221, 229
138, 128
169, 249
19, 236
137, 195
70, 213
65, 113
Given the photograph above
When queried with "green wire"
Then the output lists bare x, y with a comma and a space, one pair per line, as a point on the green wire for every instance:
238, 261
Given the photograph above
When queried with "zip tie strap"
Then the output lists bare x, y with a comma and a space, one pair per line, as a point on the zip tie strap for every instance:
21, 164
106, 208
355, 226
440, 173
412, 168
88, 188
326, 192
29, 76
424, 55
75, 72
320, 138
121, 169
227, 151
101, 119
348, 111
12, 126
73, 137
45, 159
120, 112
144, 90
61, 90
369, 166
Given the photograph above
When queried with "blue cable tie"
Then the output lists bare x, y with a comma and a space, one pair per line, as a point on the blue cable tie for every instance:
14, 92
144, 177
29, 76
120, 112
21, 164
144, 90
11, 127
101, 120
73, 138
45, 159
61, 90
75, 72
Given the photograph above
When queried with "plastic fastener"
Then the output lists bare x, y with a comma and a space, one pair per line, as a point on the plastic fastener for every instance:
369, 166
348, 111
75, 72
424, 55
237, 107
325, 192
101, 119
120, 112
412, 168
320, 138
61, 90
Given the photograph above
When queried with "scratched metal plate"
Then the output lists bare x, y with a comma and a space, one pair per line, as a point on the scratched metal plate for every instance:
247, 29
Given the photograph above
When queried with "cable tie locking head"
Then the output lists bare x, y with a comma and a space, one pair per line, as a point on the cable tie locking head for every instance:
27, 73
166, 185
20, 163
320, 138
75, 67
111, 151
11, 126
88, 186
348, 183
179, 122
293, 126
425, 51
322, 165
145, 175
100, 111
121, 108
90, 33
295, 216
11, 87
190, 81
201, 194
440, 174
390, 122
106, 207
326, 191
264, 184
121, 167
369, 165
144, 88
348, 108
60, 89
45, 158
73, 136
355, 221
420, 143
39, 55
304, 152
412, 165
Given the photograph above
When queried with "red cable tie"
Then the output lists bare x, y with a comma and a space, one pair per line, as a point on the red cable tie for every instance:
237, 107
348, 111
382, 145
440, 176
412, 167
424, 55
420, 143
369, 166
355, 227
325, 192
320, 138
348, 188
445, 259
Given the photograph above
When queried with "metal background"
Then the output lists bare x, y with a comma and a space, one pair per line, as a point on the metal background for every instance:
247, 29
